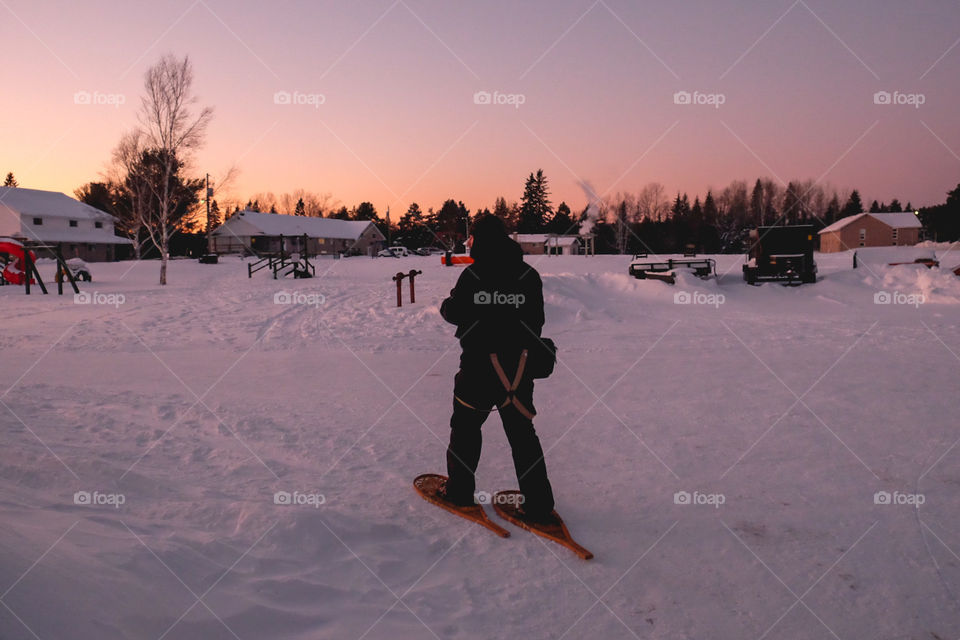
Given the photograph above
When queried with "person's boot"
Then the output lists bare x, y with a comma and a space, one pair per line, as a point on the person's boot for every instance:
538, 517
456, 499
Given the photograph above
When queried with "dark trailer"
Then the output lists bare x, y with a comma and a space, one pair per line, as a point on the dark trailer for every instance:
781, 254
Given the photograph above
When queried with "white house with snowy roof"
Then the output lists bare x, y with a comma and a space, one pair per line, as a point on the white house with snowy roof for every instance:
54, 218
269, 233
548, 243
871, 230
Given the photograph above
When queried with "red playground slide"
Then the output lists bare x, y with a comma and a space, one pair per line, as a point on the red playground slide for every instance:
14, 271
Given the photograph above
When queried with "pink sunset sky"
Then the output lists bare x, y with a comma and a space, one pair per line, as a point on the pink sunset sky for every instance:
400, 119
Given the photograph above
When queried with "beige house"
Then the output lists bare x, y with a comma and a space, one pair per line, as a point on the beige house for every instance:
871, 230
271, 233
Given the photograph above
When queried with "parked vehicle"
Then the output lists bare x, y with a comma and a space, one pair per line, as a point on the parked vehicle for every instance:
781, 254
79, 269
394, 252
429, 251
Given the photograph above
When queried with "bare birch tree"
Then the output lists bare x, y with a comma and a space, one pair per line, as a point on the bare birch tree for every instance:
174, 132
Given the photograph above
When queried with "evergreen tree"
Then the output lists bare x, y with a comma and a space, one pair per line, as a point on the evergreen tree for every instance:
853, 206
895, 206
681, 206
451, 222
756, 203
366, 211
562, 222
505, 213
300, 209
793, 209
710, 213
875, 207
10, 181
213, 220
833, 210
696, 211
412, 228
535, 207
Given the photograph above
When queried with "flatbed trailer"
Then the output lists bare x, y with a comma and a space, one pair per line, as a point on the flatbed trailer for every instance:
666, 269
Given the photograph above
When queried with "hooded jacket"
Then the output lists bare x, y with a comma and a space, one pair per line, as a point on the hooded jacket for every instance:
497, 304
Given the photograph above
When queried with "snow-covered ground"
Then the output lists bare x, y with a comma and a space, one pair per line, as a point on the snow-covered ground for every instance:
782, 410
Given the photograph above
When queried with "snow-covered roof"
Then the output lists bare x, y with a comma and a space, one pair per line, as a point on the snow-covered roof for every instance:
48, 204
899, 220
541, 238
248, 223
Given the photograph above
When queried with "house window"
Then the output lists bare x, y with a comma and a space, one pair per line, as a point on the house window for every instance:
98, 225
896, 236
863, 237
37, 222
73, 223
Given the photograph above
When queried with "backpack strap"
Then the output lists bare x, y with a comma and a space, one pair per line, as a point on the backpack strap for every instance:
512, 387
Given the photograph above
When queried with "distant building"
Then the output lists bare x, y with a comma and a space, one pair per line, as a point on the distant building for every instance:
54, 218
871, 230
548, 243
260, 233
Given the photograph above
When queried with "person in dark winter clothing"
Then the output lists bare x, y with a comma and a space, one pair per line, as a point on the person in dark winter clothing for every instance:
497, 306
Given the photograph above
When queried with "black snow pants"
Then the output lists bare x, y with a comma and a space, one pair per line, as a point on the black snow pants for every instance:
478, 390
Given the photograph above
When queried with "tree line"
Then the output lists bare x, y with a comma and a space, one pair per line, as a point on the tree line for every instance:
149, 189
